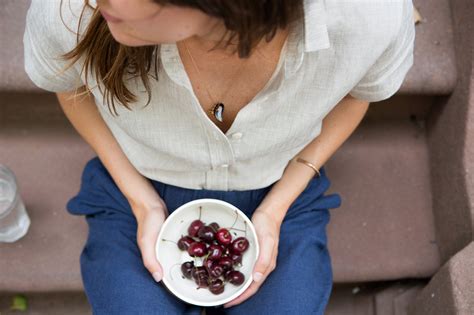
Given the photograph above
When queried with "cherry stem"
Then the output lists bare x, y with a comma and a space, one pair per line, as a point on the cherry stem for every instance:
235, 221
163, 239
238, 229
200, 209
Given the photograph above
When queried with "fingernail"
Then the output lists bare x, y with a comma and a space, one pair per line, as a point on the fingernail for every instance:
257, 276
157, 276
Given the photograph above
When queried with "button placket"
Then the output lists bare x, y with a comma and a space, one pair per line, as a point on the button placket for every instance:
236, 135
217, 178
222, 157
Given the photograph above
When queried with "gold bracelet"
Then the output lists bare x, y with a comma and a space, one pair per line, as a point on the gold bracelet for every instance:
318, 174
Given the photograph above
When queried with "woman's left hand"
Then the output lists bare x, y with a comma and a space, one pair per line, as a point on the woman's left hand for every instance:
268, 234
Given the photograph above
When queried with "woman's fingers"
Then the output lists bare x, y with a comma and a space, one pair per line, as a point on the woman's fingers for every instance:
148, 228
265, 259
267, 233
262, 266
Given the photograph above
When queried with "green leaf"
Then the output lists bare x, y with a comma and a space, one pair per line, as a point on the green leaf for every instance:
19, 303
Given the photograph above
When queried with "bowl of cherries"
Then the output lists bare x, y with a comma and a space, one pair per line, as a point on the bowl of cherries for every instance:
207, 249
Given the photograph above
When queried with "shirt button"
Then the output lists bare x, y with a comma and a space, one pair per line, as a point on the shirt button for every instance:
237, 135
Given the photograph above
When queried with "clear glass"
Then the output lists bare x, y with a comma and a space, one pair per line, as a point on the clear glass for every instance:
14, 220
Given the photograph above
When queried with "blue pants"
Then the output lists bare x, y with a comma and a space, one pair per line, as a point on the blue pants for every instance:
116, 282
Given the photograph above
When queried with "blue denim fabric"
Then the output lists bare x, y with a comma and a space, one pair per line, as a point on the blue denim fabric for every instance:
116, 282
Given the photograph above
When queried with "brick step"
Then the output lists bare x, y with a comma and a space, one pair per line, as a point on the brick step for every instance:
433, 72
383, 230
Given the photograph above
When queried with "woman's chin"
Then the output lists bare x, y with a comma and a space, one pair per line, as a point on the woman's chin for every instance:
135, 42
131, 41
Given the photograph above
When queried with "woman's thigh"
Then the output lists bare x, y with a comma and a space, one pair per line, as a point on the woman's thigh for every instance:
114, 277
301, 283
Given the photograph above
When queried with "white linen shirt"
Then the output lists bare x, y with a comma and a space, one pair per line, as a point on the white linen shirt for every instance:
362, 48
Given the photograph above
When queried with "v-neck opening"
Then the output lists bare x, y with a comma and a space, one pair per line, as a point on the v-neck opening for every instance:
179, 75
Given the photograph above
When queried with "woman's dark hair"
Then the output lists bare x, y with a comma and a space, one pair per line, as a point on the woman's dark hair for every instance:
247, 21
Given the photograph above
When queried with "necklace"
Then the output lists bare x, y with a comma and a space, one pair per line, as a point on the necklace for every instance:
217, 109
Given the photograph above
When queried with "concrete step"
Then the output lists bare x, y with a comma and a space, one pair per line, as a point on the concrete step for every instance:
451, 290
52, 303
433, 73
386, 298
383, 230
374, 298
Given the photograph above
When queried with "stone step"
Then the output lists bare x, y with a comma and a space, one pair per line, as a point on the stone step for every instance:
433, 72
383, 229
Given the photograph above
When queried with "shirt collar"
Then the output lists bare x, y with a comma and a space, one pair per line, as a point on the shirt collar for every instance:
308, 35
171, 62
315, 28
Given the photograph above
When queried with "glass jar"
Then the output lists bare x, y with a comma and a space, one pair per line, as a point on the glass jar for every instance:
14, 220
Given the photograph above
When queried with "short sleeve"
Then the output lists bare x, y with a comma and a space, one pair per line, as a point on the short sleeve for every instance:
387, 74
46, 37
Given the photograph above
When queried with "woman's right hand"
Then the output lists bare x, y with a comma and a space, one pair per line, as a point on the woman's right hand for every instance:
150, 218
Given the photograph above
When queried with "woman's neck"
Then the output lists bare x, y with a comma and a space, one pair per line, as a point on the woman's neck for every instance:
217, 36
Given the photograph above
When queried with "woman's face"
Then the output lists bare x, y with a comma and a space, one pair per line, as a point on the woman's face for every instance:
143, 22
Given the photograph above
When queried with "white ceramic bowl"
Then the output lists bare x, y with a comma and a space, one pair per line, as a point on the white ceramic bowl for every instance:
171, 257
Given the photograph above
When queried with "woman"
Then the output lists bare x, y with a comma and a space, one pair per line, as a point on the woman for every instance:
243, 101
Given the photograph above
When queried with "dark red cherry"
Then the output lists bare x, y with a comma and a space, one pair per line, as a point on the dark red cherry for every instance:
227, 273
208, 264
197, 249
187, 268
223, 236
214, 226
194, 227
236, 277
206, 233
184, 242
197, 272
216, 270
216, 286
240, 244
215, 251
226, 263
202, 280
236, 258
